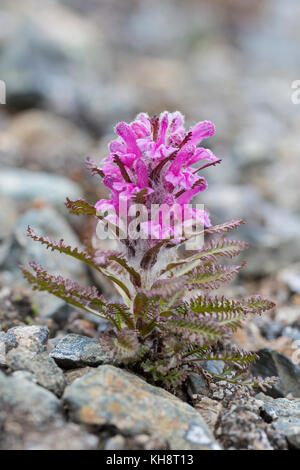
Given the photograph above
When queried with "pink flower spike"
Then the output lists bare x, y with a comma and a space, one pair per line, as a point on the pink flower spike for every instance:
139, 129
177, 121
201, 130
127, 134
142, 173
186, 197
183, 156
202, 154
163, 126
117, 147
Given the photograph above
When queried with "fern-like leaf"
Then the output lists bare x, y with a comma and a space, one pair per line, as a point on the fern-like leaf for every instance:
63, 248
210, 276
226, 227
208, 253
237, 357
87, 298
80, 207
199, 331
253, 305
126, 345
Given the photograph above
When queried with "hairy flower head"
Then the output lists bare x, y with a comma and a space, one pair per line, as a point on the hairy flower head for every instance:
154, 161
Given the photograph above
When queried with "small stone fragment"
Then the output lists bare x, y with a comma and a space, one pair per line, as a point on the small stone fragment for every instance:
34, 338
43, 367
79, 351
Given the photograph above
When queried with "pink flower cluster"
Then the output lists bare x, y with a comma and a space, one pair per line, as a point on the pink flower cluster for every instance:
154, 158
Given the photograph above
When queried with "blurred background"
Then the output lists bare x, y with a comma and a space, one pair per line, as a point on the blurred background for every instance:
73, 69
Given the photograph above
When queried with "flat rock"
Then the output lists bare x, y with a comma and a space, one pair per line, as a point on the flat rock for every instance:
285, 415
79, 351
28, 399
34, 338
43, 367
273, 363
112, 396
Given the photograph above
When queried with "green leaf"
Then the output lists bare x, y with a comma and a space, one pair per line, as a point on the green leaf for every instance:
126, 345
199, 331
209, 252
210, 276
80, 207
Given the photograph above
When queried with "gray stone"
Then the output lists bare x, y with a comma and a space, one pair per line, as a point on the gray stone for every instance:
21, 395
79, 351
271, 231
272, 329
73, 374
46, 372
285, 416
26, 186
2, 350
292, 333
196, 385
47, 222
273, 363
34, 338
115, 397
213, 367
291, 277
8, 217
59, 436
139, 442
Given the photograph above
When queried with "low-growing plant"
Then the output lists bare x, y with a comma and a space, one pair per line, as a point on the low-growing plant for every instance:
167, 322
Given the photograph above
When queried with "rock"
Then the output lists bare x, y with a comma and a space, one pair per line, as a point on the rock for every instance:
73, 374
28, 186
30, 136
240, 426
272, 232
292, 333
273, 363
62, 436
15, 309
46, 372
19, 434
44, 52
115, 397
8, 217
47, 222
213, 367
210, 411
38, 405
2, 350
272, 329
196, 382
196, 385
33, 338
285, 416
139, 442
291, 277
78, 351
